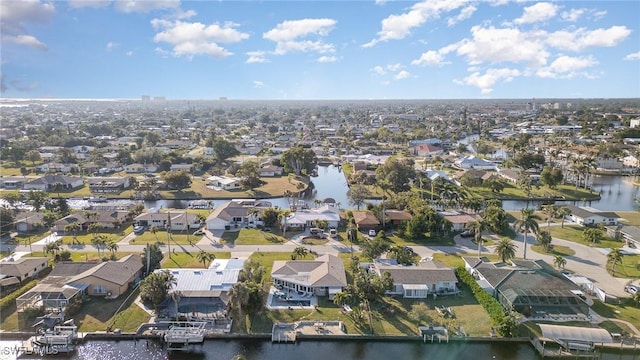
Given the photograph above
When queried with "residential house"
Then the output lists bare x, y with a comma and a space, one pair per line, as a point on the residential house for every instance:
532, 288
29, 221
417, 281
472, 162
323, 276
459, 220
629, 234
511, 175
397, 217
588, 216
178, 220
224, 182
12, 182
233, 215
365, 220
425, 150
104, 185
54, 167
140, 168
14, 272
270, 171
188, 168
107, 219
306, 218
111, 278
49, 183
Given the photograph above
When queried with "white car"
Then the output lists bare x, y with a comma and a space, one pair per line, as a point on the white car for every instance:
631, 289
372, 232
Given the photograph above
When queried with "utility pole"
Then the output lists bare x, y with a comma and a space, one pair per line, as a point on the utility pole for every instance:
169, 233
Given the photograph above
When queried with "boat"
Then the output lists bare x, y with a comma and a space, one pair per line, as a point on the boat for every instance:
61, 339
200, 204
181, 336
98, 199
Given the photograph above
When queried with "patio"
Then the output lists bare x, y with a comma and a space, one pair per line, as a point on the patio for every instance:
288, 299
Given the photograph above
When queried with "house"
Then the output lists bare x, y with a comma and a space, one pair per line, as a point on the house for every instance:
425, 150
270, 171
324, 276
12, 182
49, 183
233, 215
305, 218
177, 220
107, 219
54, 167
365, 220
511, 175
14, 272
397, 217
459, 220
629, 234
417, 281
140, 168
203, 292
111, 278
188, 168
532, 288
29, 221
104, 185
588, 216
224, 182
472, 162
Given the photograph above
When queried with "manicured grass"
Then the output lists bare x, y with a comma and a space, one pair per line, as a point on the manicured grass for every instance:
266, 259
625, 311
629, 267
555, 250
512, 192
455, 260
81, 256
84, 238
188, 259
574, 233
9, 319
436, 239
314, 241
162, 236
629, 217
252, 237
273, 187
98, 313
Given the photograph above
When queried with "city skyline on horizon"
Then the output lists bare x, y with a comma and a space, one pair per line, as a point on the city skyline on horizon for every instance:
354, 50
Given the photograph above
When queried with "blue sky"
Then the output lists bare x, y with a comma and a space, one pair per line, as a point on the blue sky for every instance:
434, 49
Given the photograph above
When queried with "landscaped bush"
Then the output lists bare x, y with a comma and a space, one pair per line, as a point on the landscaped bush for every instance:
10, 300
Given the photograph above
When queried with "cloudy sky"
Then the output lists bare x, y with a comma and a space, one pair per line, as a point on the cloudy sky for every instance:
361, 49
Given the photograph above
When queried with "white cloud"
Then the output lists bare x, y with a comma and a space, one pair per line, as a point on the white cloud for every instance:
327, 59
573, 15
402, 75
256, 57
88, 3
26, 40
394, 67
162, 52
112, 45
129, 53
287, 36
429, 58
633, 56
15, 16
379, 70
190, 39
579, 39
396, 27
486, 81
145, 6
502, 45
464, 15
539, 12
566, 67
258, 84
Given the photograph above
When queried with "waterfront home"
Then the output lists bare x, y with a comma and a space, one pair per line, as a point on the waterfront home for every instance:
305, 218
140, 168
111, 278
459, 220
589, 216
233, 215
270, 171
175, 220
532, 288
628, 234
224, 182
107, 219
15, 271
12, 182
50, 182
472, 162
104, 185
188, 168
324, 276
417, 281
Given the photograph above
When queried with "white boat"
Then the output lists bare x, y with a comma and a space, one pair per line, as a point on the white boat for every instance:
181, 335
200, 204
62, 339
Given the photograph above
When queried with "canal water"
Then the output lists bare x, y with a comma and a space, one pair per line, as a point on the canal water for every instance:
306, 350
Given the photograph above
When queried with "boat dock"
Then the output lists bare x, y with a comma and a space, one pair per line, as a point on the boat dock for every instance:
181, 335
61, 340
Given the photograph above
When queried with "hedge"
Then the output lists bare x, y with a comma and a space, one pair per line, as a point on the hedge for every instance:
10, 299
496, 312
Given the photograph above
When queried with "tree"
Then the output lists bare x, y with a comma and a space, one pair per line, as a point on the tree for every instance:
7, 221
563, 212
37, 199
154, 253
269, 217
506, 249
177, 179
527, 224
527, 160
376, 246
495, 216
343, 298
420, 313
559, 261
52, 247
396, 174
112, 246
544, 239
549, 211
614, 256
205, 258
33, 156
636, 298
73, 228
252, 271
299, 160
224, 149
99, 241
551, 176
591, 235
155, 287
478, 227
249, 171
403, 254
239, 298
496, 185
299, 252
357, 194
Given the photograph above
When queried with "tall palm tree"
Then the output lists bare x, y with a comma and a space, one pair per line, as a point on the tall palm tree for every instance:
205, 258
478, 227
527, 224
560, 261
112, 246
544, 239
238, 298
73, 228
615, 256
563, 212
299, 252
506, 249
550, 212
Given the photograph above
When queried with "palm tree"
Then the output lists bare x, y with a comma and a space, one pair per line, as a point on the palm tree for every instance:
112, 246
559, 261
478, 227
73, 228
506, 249
52, 247
343, 298
527, 224
175, 296
299, 252
544, 239
636, 298
154, 231
550, 212
98, 241
238, 298
615, 256
591, 235
205, 258
563, 212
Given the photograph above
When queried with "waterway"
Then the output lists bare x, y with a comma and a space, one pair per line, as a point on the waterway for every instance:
306, 350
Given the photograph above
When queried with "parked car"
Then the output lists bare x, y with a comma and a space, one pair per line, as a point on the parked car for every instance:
631, 289
198, 232
372, 232
467, 234
139, 229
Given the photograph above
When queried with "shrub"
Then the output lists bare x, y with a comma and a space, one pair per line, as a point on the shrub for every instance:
10, 300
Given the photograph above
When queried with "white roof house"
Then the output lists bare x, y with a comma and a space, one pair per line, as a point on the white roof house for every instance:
472, 162
221, 275
306, 217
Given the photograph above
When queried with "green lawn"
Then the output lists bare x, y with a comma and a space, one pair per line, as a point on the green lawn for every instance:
454, 260
98, 313
625, 311
628, 268
436, 239
188, 259
629, 217
252, 237
162, 236
512, 192
555, 250
574, 233
84, 238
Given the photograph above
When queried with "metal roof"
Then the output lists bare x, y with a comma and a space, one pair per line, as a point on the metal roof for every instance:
575, 333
